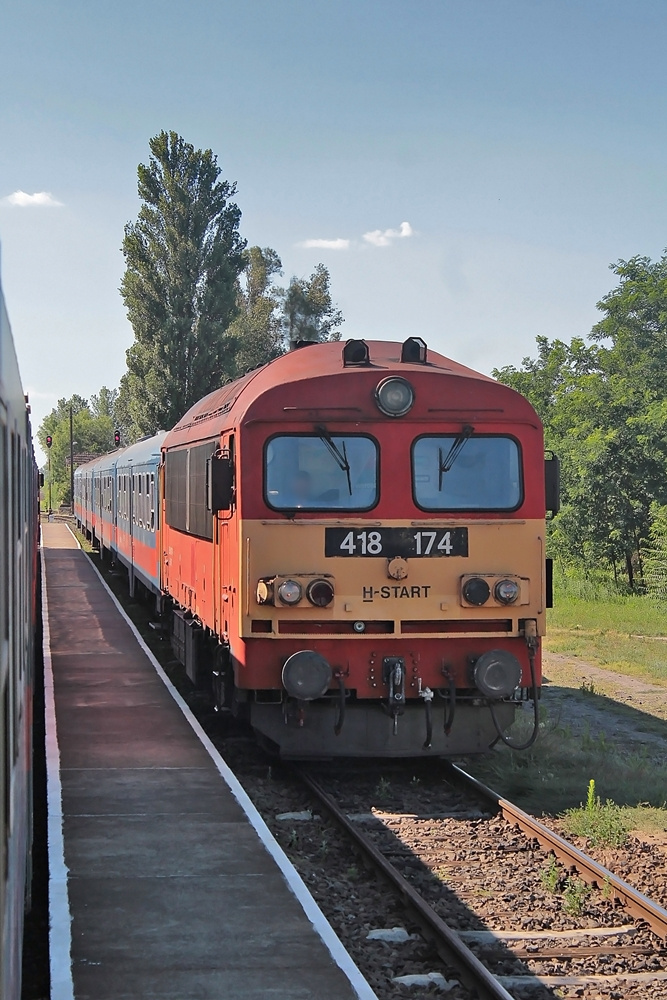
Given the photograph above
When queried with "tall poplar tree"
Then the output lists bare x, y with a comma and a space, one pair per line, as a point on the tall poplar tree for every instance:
309, 313
183, 256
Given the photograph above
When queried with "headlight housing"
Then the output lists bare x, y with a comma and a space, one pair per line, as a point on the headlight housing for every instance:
306, 675
506, 591
497, 673
290, 592
320, 593
394, 396
476, 591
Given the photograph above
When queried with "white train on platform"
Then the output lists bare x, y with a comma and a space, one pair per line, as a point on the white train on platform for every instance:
18, 620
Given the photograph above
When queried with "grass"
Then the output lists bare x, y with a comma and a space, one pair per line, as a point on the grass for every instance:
602, 824
548, 778
592, 621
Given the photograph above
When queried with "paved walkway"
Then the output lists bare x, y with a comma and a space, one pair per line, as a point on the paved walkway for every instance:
172, 892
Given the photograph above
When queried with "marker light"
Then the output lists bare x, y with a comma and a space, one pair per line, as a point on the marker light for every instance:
320, 593
497, 673
290, 592
394, 397
476, 591
506, 591
306, 675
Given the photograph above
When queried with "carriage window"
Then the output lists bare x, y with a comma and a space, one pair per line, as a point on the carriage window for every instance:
451, 472
321, 472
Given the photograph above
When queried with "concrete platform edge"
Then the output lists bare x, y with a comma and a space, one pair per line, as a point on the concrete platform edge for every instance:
60, 917
296, 884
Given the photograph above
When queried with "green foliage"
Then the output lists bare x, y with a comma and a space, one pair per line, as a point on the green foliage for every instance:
550, 875
257, 329
308, 311
604, 406
655, 554
383, 788
92, 431
575, 894
183, 257
601, 824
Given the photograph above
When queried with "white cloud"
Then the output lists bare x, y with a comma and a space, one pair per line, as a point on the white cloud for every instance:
383, 237
40, 198
339, 244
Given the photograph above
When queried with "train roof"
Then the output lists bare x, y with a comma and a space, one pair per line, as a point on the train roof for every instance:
227, 405
140, 453
11, 390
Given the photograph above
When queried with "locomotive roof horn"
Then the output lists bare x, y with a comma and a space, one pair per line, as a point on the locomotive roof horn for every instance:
414, 351
356, 353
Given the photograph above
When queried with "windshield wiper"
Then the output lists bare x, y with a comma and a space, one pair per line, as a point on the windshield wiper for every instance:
444, 465
339, 457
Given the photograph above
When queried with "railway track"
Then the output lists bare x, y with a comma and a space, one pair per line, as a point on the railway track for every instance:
611, 959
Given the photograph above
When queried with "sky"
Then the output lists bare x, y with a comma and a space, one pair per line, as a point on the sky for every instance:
466, 169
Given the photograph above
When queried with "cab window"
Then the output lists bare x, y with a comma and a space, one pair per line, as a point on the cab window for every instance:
321, 472
459, 472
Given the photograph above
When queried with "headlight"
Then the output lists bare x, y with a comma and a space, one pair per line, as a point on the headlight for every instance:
506, 591
497, 673
476, 591
264, 592
306, 675
290, 592
320, 593
394, 397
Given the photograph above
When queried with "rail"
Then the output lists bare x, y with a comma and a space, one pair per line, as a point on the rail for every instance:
636, 903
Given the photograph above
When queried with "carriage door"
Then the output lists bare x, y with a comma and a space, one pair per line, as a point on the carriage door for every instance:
225, 583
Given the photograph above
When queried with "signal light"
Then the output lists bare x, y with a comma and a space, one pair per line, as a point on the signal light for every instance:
49, 440
116, 438
476, 591
320, 593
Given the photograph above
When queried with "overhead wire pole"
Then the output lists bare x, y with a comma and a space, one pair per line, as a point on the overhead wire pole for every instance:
71, 457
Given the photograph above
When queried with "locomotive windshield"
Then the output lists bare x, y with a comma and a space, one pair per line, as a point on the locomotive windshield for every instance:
321, 471
466, 472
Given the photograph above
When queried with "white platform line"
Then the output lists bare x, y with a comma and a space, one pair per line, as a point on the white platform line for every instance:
60, 916
324, 929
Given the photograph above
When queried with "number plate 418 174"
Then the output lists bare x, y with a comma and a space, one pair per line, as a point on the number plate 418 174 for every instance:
389, 542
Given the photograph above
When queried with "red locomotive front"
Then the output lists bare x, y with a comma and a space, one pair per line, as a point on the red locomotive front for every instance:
354, 541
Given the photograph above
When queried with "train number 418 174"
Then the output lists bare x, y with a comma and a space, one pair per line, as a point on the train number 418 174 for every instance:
389, 542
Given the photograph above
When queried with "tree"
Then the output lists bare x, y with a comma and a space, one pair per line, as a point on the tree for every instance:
92, 434
103, 404
183, 257
308, 311
656, 554
270, 319
257, 329
604, 407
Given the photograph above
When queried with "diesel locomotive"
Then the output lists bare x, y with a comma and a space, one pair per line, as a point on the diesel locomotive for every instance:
350, 545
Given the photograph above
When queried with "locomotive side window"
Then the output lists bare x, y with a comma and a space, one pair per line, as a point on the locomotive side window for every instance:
321, 472
185, 489
466, 472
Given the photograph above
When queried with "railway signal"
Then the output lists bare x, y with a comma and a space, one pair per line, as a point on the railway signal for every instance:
49, 440
116, 438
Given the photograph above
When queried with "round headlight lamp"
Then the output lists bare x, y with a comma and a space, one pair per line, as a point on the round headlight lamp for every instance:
320, 593
506, 591
476, 591
497, 673
290, 592
306, 675
394, 397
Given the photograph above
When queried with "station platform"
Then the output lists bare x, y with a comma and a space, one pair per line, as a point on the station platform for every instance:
164, 880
